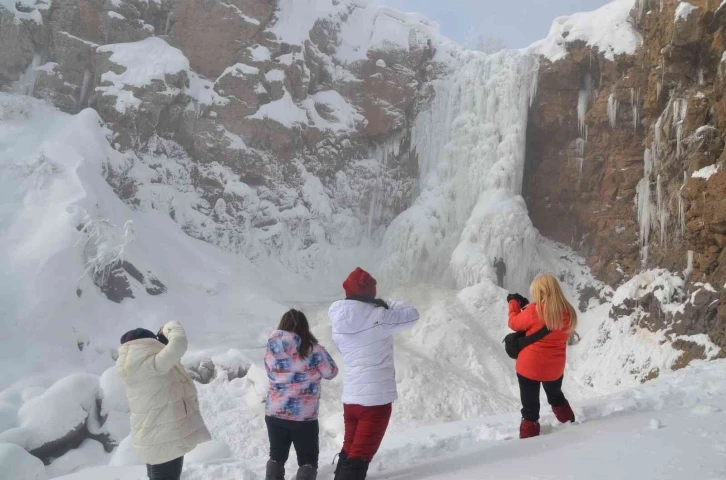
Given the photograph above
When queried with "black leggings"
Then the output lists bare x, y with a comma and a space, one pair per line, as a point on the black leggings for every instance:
166, 471
284, 433
529, 393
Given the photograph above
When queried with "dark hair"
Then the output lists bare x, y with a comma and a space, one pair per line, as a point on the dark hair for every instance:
296, 322
373, 301
137, 334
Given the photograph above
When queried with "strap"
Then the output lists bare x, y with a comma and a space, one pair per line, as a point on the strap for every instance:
530, 339
372, 301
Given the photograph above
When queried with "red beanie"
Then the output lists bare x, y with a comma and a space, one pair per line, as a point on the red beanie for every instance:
360, 284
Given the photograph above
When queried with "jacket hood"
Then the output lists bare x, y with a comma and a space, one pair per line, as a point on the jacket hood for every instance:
131, 355
283, 344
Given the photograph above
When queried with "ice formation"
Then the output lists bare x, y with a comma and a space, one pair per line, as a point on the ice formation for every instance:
471, 156
612, 110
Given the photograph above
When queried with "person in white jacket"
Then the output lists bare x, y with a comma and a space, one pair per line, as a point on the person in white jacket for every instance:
363, 329
165, 420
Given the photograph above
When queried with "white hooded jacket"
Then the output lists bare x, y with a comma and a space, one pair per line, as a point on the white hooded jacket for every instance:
363, 333
165, 419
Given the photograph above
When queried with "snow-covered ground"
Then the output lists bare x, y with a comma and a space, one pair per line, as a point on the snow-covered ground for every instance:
672, 427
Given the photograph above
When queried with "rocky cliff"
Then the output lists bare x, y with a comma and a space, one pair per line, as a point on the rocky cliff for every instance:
286, 130
625, 157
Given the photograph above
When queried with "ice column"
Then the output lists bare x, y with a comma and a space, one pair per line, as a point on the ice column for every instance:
612, 110
471, 146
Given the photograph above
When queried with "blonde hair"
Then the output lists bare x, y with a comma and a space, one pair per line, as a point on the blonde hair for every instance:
552, 306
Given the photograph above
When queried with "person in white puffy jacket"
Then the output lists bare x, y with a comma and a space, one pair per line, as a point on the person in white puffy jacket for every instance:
165, 420
363, 329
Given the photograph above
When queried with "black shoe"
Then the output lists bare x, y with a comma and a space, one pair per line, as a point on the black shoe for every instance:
275, 470
353, 469
342, 458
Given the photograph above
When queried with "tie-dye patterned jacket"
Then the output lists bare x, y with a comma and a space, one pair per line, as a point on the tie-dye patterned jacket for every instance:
294, 392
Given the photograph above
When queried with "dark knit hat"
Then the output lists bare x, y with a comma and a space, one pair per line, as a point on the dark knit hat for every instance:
136, 334
360, 284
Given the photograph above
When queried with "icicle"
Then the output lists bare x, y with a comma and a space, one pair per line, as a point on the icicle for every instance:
641, 6
168, 23
680, 108
26, 83
701, 80
682, 206
612, 110
580, 147
580, 162
583, 100
662, 214
689, 265
84, 88
643, 203
634, 101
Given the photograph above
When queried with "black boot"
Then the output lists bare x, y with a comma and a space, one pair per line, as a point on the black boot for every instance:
353, 469
275, 470
307, 472
342, 458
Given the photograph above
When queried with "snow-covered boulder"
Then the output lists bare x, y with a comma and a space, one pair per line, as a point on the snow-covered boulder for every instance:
55, 421
17, 464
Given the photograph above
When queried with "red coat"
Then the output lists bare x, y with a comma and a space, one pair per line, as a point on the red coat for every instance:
544, 360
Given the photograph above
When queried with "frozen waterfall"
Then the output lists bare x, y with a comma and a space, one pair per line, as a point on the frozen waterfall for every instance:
471, 148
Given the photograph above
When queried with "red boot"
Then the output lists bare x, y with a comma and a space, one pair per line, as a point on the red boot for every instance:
564, 413
528, 429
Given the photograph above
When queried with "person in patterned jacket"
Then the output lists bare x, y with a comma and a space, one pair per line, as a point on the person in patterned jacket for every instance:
295, 364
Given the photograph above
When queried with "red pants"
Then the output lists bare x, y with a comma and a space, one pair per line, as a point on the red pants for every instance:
364, 429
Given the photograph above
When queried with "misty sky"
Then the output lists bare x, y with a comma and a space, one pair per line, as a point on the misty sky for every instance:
516, 22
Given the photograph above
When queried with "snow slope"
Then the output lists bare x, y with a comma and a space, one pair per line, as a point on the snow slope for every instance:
673, 427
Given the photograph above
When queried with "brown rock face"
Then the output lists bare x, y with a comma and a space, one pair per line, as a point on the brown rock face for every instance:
618, 187
213, 35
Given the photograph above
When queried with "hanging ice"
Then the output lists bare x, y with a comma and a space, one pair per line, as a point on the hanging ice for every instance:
612, 110
634, 101
583, 100
26, 83
644, 205
471, 145
84, 88
680, 108
681, 206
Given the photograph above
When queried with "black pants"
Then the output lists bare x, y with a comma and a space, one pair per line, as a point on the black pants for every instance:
284, 433
529, 393
166, 471
500, 280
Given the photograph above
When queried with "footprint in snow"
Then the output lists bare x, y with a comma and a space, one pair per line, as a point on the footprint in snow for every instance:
705, 410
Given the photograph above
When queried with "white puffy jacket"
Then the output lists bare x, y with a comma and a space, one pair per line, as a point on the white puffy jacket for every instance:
363, 334
165, 418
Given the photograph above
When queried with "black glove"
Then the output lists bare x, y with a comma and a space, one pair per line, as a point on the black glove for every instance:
523, 302
161, 337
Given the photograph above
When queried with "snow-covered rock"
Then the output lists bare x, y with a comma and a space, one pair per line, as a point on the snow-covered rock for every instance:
609, 29
19, 464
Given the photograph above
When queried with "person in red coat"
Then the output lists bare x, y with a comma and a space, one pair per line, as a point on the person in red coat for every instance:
542, 362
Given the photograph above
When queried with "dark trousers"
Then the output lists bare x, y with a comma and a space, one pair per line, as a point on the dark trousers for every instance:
500, 280
166, 471
284, 433
365, 428
529, 393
